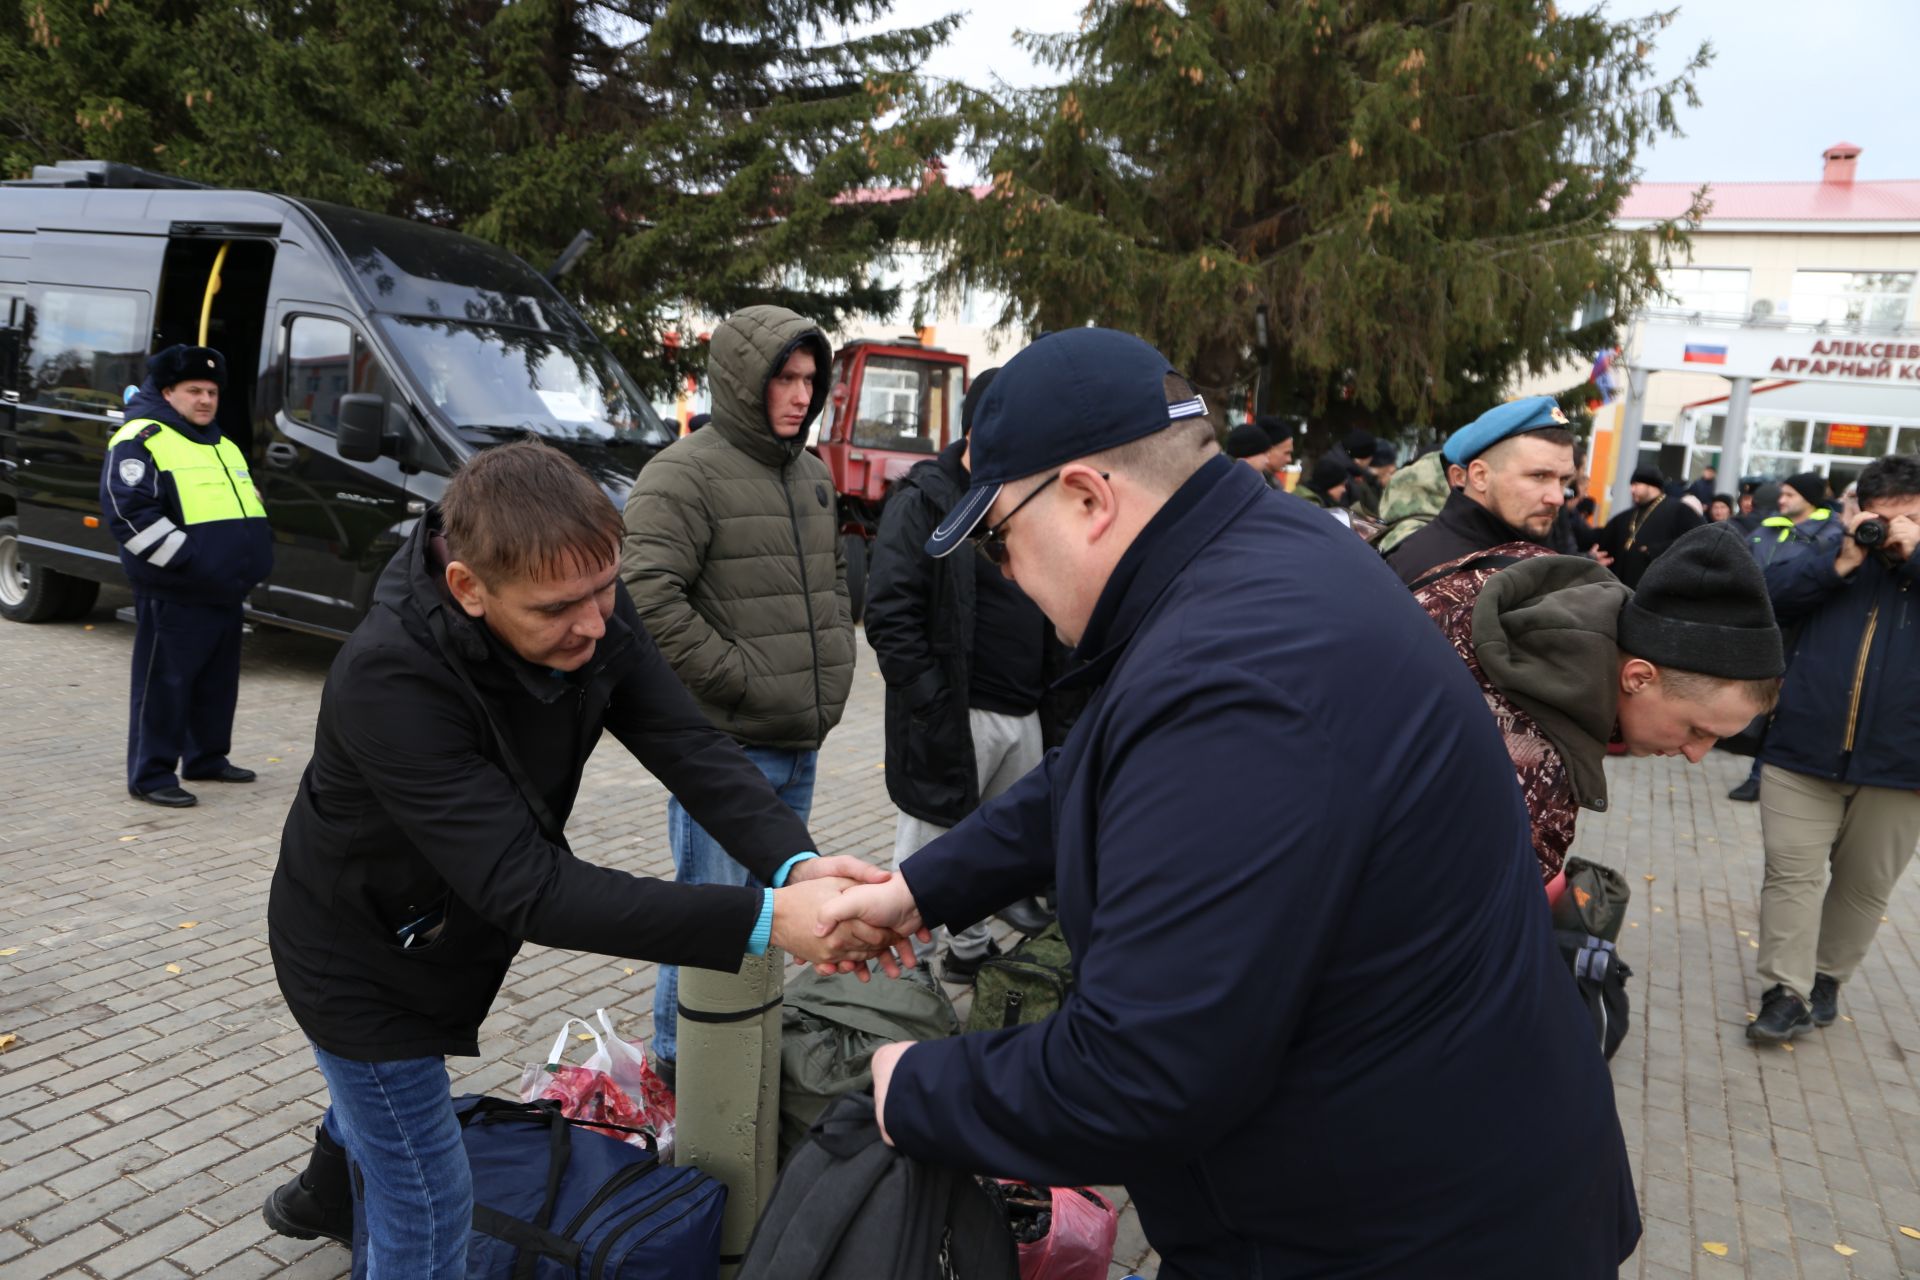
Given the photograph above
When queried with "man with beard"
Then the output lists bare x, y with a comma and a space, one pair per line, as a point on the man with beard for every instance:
1655, 522
1518, 460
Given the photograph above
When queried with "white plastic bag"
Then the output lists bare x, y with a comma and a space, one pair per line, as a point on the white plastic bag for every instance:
614, 1085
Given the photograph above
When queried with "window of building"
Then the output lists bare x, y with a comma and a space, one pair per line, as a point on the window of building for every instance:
1707, 291
326, 359
84, 349
1853, 299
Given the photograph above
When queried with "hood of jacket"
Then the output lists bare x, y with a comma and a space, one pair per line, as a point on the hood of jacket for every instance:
149, 403
1544, 632
748, 348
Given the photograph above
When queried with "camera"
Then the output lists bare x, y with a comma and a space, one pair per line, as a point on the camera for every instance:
1870, 532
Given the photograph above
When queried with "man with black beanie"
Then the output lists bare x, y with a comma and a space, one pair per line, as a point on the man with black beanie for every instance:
1655, 522
1248, 443
1326, 485
1280, 435
967, 659
1356, 451
1570, 660
1840, 768
194, 540
1805, 497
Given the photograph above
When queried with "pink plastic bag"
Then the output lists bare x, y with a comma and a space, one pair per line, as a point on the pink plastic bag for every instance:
1079, 1243
615, 1086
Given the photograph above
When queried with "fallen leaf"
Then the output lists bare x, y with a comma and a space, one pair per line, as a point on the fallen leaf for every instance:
1649, 879
1755, 945
1883, 919
1844, 1251
6, 1043
173, 968
1845, 1017
1752, 1016
628, 972
1786, 1046
1633, 924
10, 951
124, 839
273, 759
1715, 1248
187, 924
1910, 1233
1659, 911
584, 1035
1742, 932
88, 627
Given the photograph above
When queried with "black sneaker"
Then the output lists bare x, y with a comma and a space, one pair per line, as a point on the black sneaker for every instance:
319, 1200
1826, 1000
1783, 1015
1748, 791
962, 969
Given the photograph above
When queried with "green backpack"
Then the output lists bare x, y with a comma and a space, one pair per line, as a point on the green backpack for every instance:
1027, 984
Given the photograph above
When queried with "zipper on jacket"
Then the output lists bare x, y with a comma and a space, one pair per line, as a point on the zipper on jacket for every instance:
806, 594
1860, 676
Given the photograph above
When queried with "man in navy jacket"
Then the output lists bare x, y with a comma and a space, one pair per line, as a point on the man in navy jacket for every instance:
1840, 777
1335, 1046
194, 540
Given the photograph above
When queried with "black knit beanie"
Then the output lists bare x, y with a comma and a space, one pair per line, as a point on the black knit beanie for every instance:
1811, 485
1649, 475
1327, 476
1702, 606
1247, 441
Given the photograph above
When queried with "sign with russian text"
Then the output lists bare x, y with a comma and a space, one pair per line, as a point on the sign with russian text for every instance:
1846, 435
1778, 354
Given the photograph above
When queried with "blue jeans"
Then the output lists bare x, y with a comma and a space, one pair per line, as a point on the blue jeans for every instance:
699, 859
396, 1121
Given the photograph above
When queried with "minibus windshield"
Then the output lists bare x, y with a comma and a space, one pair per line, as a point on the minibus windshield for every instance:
498, 380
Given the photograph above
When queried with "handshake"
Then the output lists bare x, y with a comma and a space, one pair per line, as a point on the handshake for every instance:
838, 913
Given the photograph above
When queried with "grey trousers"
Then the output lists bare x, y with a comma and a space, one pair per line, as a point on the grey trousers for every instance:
1834, 854
1005, 748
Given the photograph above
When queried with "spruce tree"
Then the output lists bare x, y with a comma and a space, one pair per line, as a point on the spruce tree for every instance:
1420, 193
709, 145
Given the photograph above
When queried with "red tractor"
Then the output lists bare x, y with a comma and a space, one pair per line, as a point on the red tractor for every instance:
890, 405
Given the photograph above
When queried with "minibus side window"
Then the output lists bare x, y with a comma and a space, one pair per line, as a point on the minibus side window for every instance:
84, 350
326, 359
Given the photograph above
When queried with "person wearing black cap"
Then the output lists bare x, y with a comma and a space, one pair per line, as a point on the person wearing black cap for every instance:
1281, 432
1355, 451
1570, 660
967, 659
194, 540
1326, 485
1250, 445
1805, 497
1632, 539
1385, 461
1840, 776
1242, 1045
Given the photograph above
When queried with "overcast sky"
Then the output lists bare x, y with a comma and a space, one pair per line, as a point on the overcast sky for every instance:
1789, 78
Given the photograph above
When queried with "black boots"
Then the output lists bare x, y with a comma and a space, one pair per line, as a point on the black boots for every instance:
1826, 1000
319, 1202
1783, 1015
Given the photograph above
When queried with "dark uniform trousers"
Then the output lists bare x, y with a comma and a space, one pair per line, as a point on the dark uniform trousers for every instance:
186, 680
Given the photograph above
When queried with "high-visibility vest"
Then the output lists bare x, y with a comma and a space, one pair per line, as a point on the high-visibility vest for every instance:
1786, 526
211, 481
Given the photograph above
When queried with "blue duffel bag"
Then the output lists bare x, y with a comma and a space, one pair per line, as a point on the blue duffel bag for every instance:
553, 1201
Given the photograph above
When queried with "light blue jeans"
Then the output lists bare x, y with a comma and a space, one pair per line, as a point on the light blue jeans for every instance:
396, 1121
699, 859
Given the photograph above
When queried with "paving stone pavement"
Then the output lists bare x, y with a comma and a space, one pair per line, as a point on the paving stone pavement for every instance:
156, 1088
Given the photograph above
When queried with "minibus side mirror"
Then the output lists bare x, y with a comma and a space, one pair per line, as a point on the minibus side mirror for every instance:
362, 435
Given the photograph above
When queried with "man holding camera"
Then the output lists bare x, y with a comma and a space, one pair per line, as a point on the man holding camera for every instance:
1840, 800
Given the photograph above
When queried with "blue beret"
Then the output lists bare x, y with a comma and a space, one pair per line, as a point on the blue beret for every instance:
1530, 413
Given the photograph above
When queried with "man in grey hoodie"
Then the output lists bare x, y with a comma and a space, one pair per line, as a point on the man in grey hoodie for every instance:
1569, 660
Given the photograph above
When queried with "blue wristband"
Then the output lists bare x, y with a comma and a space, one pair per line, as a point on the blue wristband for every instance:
762, 934
763, 927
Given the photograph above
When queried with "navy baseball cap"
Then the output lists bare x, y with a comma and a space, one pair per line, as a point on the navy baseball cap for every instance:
1073, 393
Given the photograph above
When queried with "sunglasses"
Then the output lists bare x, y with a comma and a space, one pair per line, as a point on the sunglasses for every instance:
992, 542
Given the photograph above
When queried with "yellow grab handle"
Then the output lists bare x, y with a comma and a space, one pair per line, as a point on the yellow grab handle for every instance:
213, 287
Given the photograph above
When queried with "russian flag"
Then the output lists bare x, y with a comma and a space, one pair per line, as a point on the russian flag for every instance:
1701, 353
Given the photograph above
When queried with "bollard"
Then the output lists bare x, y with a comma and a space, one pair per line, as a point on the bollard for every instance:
727, 1121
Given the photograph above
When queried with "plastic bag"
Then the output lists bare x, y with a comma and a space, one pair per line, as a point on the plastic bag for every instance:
1061, 1233
615, 1086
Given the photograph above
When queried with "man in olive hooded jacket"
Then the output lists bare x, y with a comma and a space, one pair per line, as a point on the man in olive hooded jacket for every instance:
734, 562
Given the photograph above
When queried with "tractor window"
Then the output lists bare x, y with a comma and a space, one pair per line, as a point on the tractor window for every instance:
905, 404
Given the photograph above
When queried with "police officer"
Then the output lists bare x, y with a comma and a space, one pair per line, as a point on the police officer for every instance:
193, 540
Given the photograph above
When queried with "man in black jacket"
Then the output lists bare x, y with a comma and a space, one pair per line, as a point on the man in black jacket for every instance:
1655, 522
966, 658
1517, 460
425, 844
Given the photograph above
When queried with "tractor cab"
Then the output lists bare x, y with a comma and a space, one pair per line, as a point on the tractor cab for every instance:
890, 405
